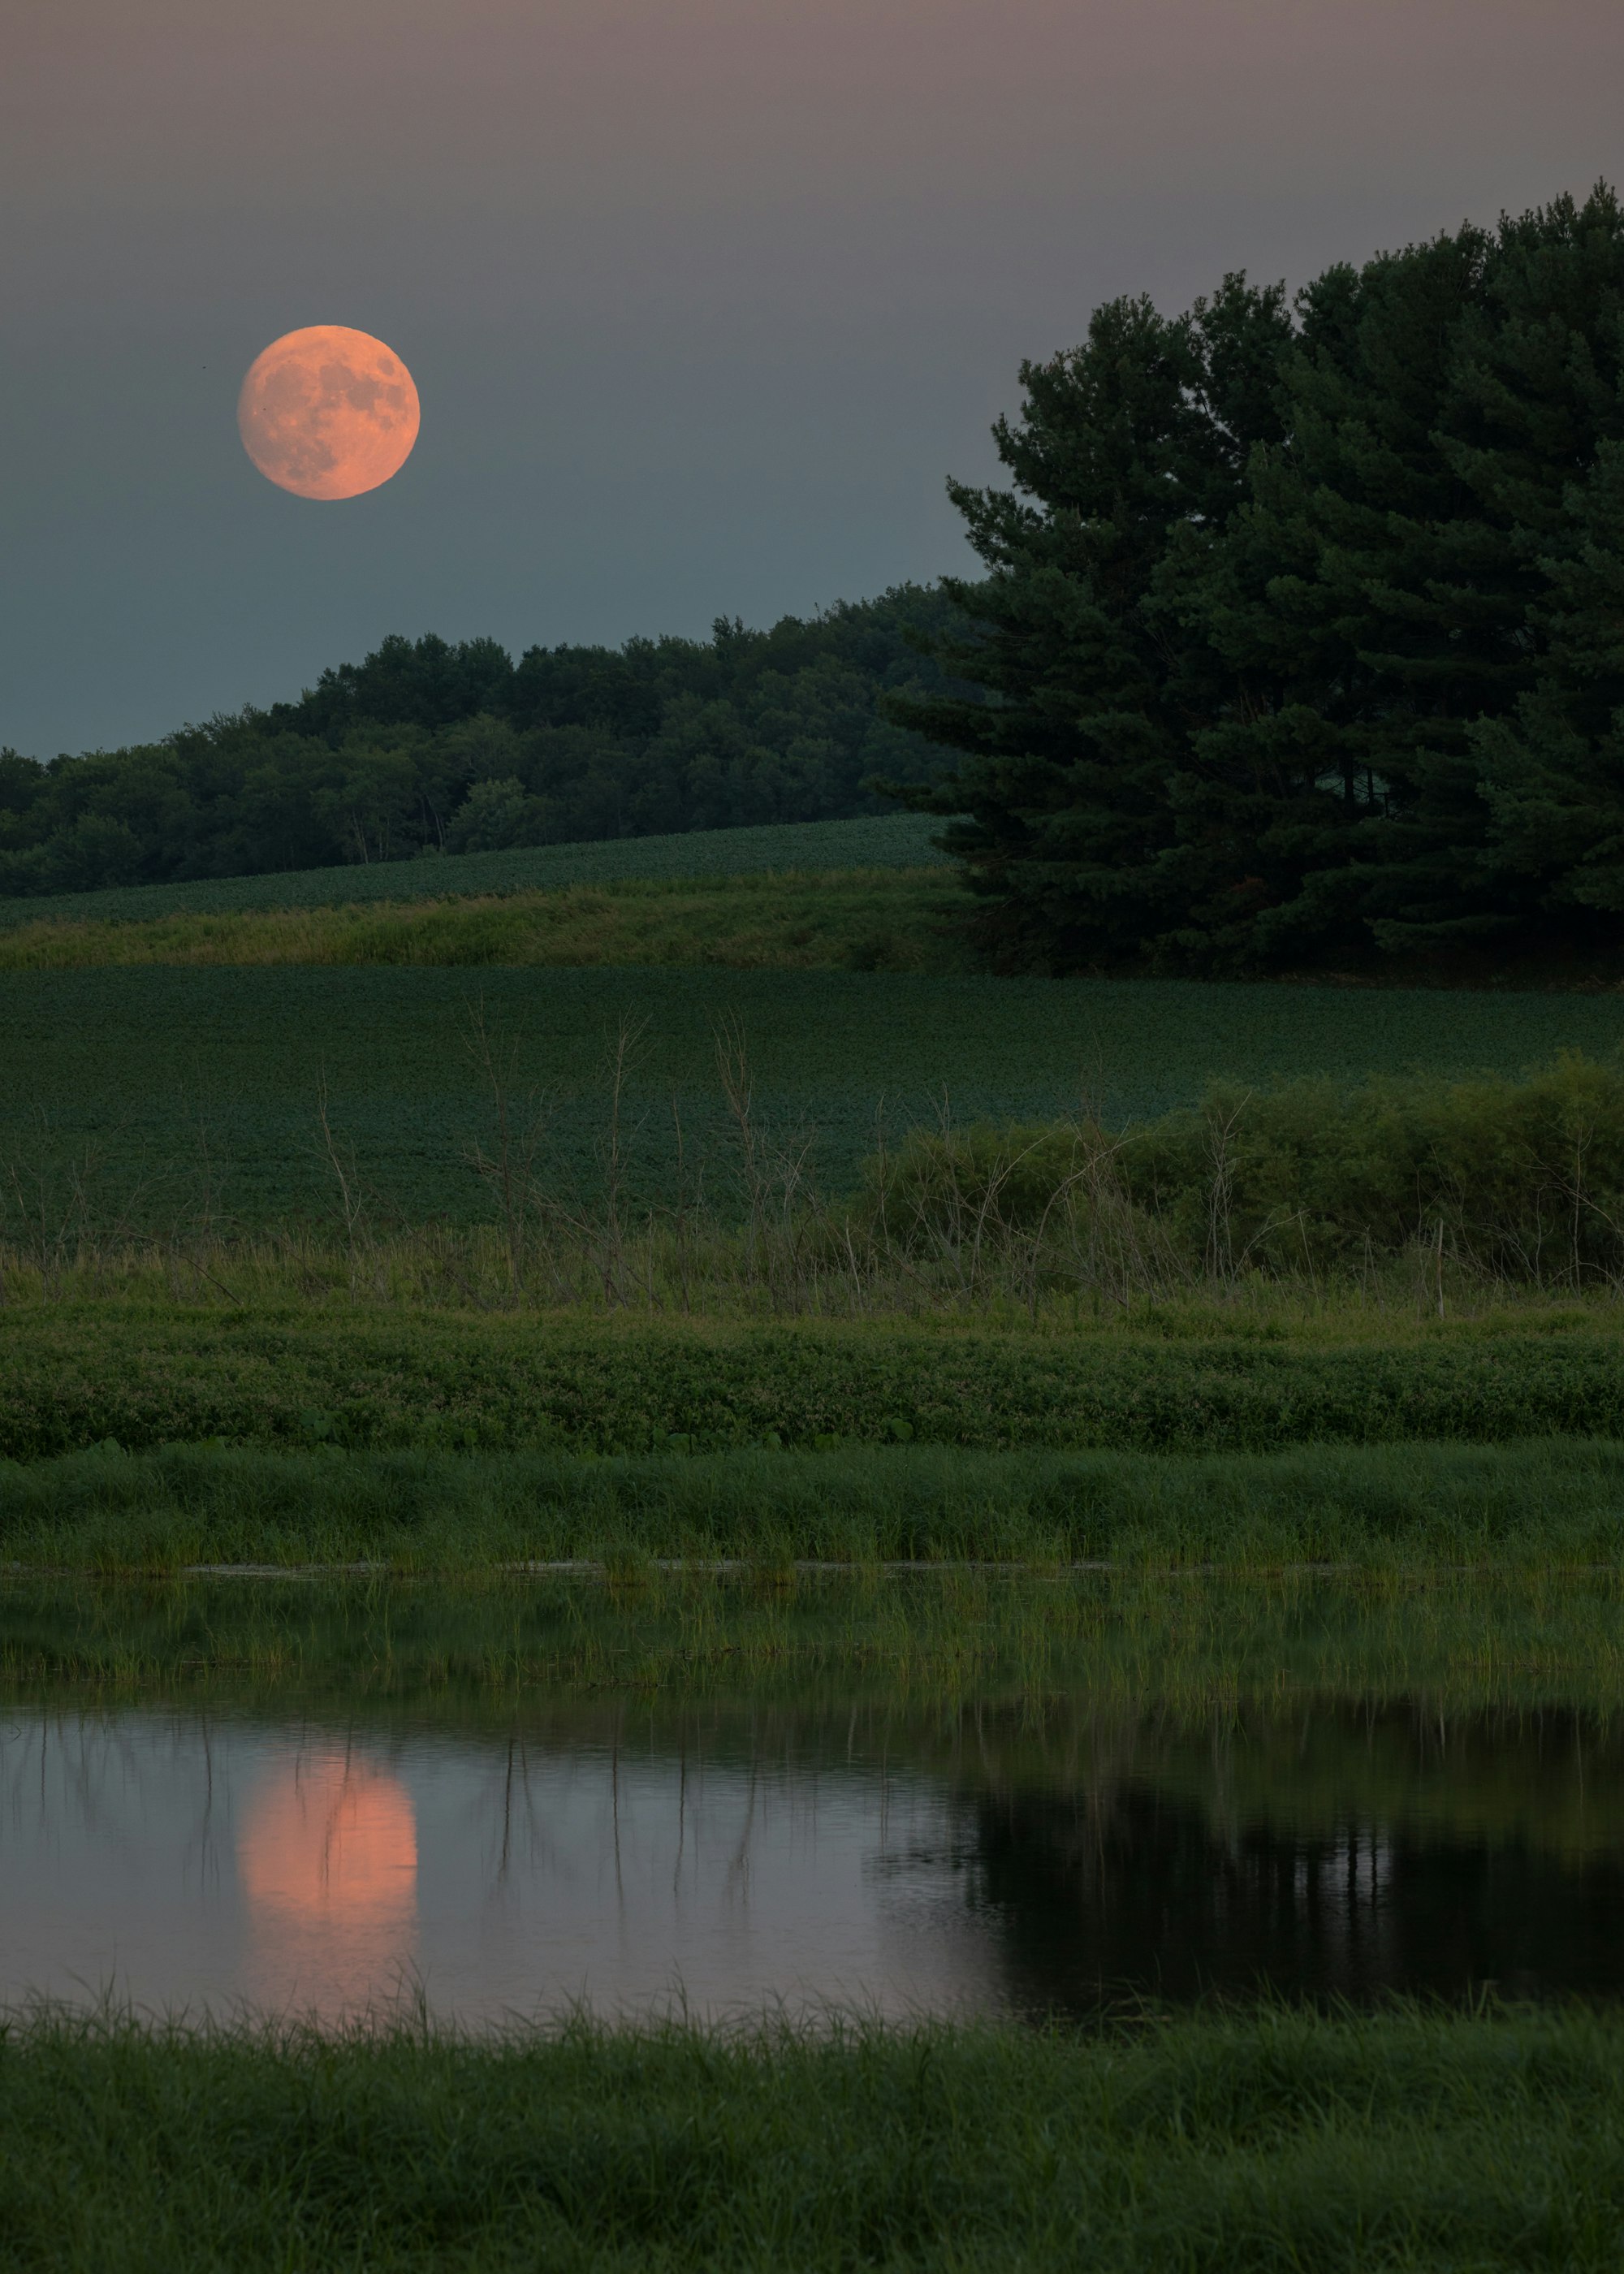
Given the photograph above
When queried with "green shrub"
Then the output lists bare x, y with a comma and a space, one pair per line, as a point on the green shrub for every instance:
1516, 1179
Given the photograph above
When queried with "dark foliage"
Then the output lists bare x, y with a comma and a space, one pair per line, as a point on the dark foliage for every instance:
145, 1375
428, 747
1301, 625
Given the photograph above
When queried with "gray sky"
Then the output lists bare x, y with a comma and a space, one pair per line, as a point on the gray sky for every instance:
703, 299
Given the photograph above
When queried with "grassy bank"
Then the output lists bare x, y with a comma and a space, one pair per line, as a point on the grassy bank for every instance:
1276, 2141
843, 920
1418, 1507
145, 1376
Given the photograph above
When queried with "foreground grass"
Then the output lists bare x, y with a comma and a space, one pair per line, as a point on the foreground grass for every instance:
1540, 1505
1277, 2140
848, 919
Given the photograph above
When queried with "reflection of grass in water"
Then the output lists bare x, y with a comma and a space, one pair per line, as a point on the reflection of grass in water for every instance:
928, 1646
1539, 1781
1268, 2140
1538, 1505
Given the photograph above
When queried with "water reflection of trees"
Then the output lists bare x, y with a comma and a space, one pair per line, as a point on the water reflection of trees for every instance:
1333, 1852
1143, 1895
90, 1770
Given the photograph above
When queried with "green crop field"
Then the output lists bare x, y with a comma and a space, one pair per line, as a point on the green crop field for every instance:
901, 840
136, 1062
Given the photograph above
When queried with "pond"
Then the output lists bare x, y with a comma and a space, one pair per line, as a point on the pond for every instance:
896, 1852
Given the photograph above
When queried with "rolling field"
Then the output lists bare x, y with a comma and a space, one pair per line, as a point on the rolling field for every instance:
135, 1062
901, 840
830, 920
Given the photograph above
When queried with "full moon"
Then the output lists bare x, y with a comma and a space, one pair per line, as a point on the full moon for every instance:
327, 412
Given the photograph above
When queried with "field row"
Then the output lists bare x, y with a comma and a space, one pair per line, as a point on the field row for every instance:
846, 919
77, 1375
905, 841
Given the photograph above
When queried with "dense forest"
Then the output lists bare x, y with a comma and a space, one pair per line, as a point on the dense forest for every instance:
428, 747
1304, 621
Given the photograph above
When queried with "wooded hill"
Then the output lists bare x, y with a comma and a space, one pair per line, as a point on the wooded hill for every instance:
429, 747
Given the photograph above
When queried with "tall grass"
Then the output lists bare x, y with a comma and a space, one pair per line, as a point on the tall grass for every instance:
1002, 1666
1376, 1509
1272, 2141
1492, 1706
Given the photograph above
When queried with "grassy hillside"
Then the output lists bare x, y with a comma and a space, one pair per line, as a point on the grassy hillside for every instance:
887, 841
840, 920
149, 1067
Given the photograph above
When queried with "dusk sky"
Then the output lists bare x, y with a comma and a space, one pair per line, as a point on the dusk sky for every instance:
703, 299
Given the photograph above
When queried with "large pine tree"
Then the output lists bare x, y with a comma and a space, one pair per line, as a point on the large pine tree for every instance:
1357, 655
1067, 831
1282, 618
1552, 775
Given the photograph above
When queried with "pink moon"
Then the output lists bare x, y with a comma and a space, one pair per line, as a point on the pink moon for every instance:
327, 412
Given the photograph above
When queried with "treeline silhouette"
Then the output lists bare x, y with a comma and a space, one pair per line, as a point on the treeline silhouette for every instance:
1304, 622
428, 746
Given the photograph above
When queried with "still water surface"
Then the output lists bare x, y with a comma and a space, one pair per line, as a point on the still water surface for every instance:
899, 1860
